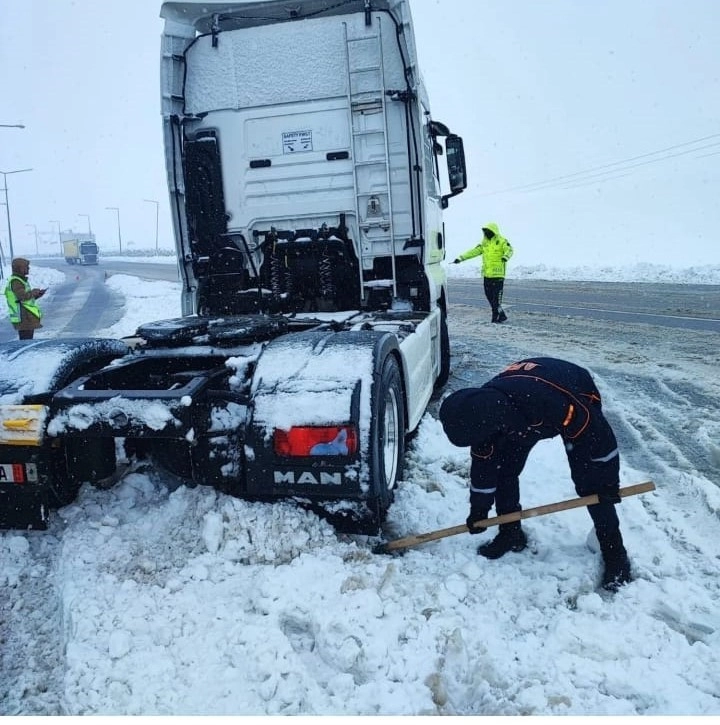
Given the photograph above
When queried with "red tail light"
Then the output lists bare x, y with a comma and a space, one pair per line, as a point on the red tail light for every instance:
334, 440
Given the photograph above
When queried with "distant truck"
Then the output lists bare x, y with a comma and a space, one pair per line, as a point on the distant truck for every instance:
80, 251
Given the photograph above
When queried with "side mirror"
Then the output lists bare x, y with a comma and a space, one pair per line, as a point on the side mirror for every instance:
457, 172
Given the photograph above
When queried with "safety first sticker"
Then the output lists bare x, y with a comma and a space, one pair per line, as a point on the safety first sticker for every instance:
295, 141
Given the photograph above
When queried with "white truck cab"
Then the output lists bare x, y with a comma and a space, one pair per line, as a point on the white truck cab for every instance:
302, 157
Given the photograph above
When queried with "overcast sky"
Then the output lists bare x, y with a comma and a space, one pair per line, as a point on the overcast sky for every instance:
592, 130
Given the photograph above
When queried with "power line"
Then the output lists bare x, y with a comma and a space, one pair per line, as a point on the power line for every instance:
594, 181
615, 163
634, 166
566, 177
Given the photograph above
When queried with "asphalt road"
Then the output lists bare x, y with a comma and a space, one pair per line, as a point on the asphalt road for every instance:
693, 307
145, 270
84, 304
77, 307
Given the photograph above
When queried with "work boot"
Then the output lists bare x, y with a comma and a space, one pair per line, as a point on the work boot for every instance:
510, 538
502, 317
616, 574
617, 565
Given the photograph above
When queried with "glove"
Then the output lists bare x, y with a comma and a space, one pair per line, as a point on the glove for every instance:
456, 261
476, 515
609, 495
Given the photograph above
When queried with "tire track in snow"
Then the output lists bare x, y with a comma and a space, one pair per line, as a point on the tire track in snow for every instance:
32, 660
80, 306
661, 393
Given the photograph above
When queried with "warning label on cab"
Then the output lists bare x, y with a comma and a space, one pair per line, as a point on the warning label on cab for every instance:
294, 141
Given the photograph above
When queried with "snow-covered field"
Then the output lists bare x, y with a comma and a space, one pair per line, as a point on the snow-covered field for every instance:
151, 598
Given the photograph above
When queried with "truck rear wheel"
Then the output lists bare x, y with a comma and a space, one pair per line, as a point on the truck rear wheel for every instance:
387, 442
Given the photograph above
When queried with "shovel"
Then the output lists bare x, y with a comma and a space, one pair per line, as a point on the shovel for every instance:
549, 508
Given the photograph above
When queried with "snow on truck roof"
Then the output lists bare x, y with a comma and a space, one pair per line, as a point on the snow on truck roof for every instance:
247, 13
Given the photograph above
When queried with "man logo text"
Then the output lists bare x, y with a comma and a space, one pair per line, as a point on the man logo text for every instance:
306, 478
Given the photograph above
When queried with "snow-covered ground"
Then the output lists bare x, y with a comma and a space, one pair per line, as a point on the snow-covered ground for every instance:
645, 272
150, 598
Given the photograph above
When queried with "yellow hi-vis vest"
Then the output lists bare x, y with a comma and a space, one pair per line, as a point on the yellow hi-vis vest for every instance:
13, 303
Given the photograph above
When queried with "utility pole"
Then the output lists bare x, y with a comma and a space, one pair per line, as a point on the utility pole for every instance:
117, 210
157, 218
55, 221
37, 247
7, 206
88, 218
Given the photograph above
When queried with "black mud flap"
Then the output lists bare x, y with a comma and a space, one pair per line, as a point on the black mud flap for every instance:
30, 487
340, 489
23, 507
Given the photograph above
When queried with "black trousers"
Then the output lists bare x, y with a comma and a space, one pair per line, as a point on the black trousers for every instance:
499, 465
25, 334
494, 292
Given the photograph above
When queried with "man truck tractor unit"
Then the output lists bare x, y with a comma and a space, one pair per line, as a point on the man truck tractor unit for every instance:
81, 250
304, 171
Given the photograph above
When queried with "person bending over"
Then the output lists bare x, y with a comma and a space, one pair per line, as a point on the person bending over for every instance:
531, 400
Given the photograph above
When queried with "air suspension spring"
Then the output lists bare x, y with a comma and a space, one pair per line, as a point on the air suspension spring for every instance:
276, 274
327, 284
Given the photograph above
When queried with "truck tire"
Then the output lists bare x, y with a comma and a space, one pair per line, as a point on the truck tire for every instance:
387, 440
444, 373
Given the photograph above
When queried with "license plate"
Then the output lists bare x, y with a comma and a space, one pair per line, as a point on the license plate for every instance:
18, 473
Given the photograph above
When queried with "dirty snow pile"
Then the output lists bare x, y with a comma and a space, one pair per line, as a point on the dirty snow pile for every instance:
173, 600
640, 272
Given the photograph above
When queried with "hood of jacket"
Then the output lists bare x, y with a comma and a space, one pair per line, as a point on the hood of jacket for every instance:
473, 416
493, 227
20, 266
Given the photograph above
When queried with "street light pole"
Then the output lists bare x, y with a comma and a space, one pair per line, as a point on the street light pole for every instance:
37, 248
88, 218
157, 218
55, 221
7, 206
117, 210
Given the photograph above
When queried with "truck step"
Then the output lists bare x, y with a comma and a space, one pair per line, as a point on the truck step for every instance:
378, 283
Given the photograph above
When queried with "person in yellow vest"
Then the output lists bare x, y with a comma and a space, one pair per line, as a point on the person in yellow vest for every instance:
495, 251
25, 313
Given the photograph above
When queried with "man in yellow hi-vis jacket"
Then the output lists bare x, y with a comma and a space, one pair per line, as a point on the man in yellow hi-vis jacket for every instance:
495, 251
24, 312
